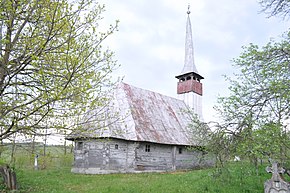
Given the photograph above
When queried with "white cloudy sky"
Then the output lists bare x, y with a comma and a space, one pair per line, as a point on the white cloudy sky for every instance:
150, 42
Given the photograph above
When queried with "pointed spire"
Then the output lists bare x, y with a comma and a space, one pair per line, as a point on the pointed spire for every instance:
189, 65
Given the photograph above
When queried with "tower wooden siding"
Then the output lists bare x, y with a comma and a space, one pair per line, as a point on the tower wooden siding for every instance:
189, 86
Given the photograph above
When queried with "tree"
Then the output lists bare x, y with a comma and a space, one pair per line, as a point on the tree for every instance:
276, 7
256, 112
209, 137
53, 68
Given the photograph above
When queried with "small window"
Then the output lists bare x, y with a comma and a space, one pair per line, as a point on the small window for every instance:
180, 150
147, 148
79, 145
188, 78
116, 146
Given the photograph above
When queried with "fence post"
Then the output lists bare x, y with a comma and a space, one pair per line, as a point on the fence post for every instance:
36, 162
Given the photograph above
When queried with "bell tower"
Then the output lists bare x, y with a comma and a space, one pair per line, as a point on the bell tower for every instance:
189, 86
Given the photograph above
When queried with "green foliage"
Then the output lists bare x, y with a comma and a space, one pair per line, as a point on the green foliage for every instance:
268, 142
52, 65
260, 92
200, 130
254, 117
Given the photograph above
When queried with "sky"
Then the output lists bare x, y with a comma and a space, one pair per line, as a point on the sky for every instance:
149, 44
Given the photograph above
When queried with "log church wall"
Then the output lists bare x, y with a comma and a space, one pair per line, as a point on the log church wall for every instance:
115, 155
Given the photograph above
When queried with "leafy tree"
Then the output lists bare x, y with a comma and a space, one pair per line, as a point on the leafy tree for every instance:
257, 110
52, 65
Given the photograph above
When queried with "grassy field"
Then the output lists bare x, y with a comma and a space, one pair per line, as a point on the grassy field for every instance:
238, 177
54, 176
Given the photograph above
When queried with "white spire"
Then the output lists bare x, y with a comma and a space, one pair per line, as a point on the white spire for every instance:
189, 65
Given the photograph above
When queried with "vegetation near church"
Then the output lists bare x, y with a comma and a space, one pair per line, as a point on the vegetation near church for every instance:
255, 116
53, 69
52, 65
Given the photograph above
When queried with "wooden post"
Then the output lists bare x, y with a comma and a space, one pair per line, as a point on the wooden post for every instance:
36, 162
173, 158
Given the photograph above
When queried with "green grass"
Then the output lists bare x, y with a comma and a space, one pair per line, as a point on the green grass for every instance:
54, 157
55, 176
238, 177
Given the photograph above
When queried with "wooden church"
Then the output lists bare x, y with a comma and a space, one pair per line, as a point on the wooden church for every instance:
154, 134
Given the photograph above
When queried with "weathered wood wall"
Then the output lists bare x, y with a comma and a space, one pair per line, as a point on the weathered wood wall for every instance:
104, 156
158, 158
115, 155
187, 159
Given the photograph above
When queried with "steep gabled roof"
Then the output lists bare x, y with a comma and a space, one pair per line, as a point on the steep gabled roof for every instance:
146, 116
152, 117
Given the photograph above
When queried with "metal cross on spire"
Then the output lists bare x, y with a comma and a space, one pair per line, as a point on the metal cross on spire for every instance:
188, 9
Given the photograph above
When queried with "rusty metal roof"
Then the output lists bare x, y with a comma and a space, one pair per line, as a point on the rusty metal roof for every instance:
143, 116
151, 117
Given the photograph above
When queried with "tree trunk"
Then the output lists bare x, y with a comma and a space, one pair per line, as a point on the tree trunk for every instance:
9, 177
13, 150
